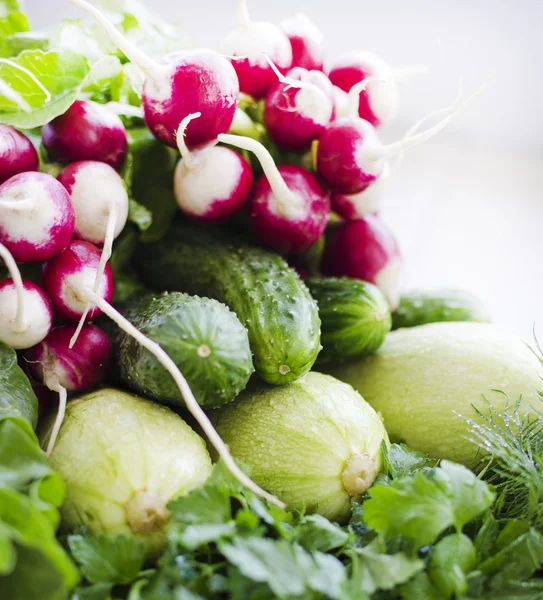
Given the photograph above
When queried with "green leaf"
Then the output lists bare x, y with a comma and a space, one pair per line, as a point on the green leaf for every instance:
43, 570
414, 508
373, 569
98, 591
468, 495
17, 400
421, 588
11, 24
108, 560
8, 557
60, 73
486, 537
196, 535
31, 40
317, 533
400, 461
139, 215
285, 567
451, 559
205, 505
517, 561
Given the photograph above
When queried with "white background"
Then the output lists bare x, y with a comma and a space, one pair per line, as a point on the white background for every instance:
468, 207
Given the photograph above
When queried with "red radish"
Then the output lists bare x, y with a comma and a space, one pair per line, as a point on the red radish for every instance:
86, 131
350, 155
296, 113
181, 83
365, 249
341, 102
17, 154
36, 216
249, 46
367, 202
94, 188
211, 184
76, 369
45, 396
305, 40
25, 311
74, 269
289, 209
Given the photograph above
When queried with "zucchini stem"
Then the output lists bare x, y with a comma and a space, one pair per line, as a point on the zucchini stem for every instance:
191, 402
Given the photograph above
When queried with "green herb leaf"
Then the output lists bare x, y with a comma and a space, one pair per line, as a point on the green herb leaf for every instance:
108, 560
12, 21
17, 400
43, 87
400, 460
317, 533
451, 559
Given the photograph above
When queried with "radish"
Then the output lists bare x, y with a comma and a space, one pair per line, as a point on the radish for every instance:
351, 156
86, 131
296, 113
367, 202
36, 216
94, 188
305, 40
182, 83
250, 45
211, 184
65, 275
365, 249
17, 154
25, 312
64, 369
341, 102
289, 209
378, 104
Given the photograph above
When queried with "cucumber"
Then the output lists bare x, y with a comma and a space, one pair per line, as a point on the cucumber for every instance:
355, 317
421, 307
266, 294
203, 337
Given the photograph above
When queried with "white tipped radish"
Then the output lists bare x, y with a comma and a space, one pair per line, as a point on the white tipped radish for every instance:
63, 368
295, 115
378, 104
181, 83
192, 404
365, 249
211, 184
25, 312
17, 154
369, 201
341, 102
249, 46
36, 216
74, 269
86, 131
289, 209
351, 156
305, 40
94, 188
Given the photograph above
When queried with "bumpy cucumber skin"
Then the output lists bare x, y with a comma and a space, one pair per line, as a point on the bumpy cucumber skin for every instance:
203, 337
355, 317
266, 294
420, 308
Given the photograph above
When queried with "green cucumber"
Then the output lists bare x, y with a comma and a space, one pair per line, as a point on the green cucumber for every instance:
203, 337
355, 317
266, 294
421, 307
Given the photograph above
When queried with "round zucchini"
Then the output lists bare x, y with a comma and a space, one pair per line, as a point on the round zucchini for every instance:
420, 308
203, 337
355, 317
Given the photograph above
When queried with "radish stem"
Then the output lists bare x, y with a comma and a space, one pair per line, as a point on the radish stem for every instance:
134, 54
62, 398
186, 154
192, 405
19, 324
403, 144
284, 197
354, 94
244, 20
104, 257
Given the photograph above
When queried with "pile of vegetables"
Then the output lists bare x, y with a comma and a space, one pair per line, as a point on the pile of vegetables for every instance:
200, 392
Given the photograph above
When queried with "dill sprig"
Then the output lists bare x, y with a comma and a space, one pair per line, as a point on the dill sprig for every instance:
514, 463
